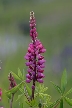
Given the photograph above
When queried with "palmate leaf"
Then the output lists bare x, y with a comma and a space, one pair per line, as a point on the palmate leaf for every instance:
20, 74
41, 88
64, 81
53, 104
20, 96
8, 94
57, 87
32, 103
15, 76
28, 89
23, 76
69, 101
21, 105
15, 89
21, 89
70, 91
28, 103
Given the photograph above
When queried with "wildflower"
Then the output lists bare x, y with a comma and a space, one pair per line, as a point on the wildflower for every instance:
0, 94
34, 55
12, 81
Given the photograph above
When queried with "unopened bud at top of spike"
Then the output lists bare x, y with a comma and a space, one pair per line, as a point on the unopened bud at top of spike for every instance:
32, 15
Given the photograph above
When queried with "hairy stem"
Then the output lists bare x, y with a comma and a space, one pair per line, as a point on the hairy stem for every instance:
11, 101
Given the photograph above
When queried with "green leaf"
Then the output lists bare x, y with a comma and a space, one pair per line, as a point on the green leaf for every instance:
57, 87
53, 104
8, 94
28, 89
20, 74
69, 101
70, 91
61, 103
23, 74
33, 102
19, 96
28, 103
21, 105
64, 81
41, 88
15, 76
21, 90
15, 89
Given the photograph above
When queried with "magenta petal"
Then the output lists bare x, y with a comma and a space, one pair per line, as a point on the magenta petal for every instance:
33, 73
40, 70
36, 52
40, 46
42, 66
40, 57
0, 92
43, 50
41, 75
26, 57
28, 54
38, 67
28, 80
33, 87
29, 70
29, 49
40, 80
28, 63
32, 57
42, 61
28, 76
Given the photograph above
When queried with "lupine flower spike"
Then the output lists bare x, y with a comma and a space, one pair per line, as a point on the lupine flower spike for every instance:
35, 59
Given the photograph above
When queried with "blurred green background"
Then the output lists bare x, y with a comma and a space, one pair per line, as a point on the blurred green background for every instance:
54, 27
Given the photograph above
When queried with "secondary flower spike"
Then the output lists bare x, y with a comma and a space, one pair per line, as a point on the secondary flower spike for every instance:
12, 81
0, 94
34, 56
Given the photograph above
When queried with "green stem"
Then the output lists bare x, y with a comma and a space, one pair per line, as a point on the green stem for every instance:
61, 103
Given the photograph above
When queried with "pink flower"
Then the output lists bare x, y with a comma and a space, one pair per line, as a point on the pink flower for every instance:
40, 80
28, 80
0, 94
